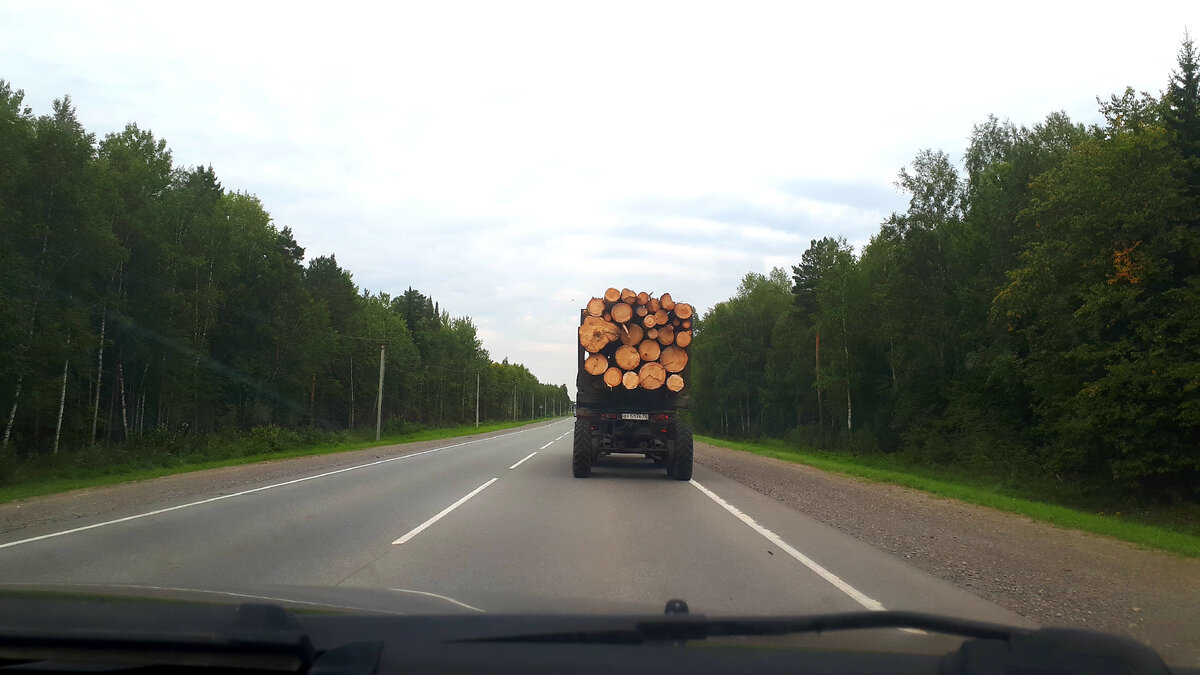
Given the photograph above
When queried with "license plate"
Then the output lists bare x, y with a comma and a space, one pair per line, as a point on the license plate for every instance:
635, 416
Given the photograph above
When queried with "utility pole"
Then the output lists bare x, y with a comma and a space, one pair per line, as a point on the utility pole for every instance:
477, 399
532, 411
379, 398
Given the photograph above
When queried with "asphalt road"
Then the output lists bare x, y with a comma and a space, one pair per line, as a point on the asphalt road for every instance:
497, 524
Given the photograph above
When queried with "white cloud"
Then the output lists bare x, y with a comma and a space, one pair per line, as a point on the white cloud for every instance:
507, 158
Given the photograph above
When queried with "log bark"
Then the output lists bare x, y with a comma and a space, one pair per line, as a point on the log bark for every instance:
666, 335
627, 357
612, 295
675, 382
683, 338
612, 377
595, 364
666, 302
630, 380
683, 311
649, 351
673, 359
596, 333
622, 312
632, 334
652, 376
595, 306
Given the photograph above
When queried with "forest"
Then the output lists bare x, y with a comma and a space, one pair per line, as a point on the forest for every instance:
1036, 309
139, 297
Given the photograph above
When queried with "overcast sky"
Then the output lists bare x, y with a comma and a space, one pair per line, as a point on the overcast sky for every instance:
513, 159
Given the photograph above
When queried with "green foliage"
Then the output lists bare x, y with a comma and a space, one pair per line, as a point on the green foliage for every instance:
180, 310
1036, 314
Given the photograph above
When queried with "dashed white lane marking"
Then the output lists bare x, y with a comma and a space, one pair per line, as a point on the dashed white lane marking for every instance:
421, 528
523, 461
547, 445
251, 491
858, 596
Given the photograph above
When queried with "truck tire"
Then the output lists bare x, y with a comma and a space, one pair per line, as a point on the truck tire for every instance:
681, 468
581, 453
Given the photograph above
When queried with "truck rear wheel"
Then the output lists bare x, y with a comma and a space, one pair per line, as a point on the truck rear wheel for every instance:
681, 465
581, 453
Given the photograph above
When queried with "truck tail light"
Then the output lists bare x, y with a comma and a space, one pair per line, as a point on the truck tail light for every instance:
661, 416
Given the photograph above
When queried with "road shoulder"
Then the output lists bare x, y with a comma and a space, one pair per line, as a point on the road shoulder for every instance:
1049, 575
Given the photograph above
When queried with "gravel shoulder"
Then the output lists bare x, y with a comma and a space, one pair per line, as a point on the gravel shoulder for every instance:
1049, 575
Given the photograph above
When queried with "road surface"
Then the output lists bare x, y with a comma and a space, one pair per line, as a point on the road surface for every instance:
498, 524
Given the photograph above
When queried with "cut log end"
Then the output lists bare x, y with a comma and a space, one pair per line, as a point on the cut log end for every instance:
622, 312
627, 357
683, 311
595, 364
666, 335
666, 302
675, 382
633, 334
683, 338
652, 376
612, 295
673, 359
612, 377
630, 380
596, 333
595, 306
649, 351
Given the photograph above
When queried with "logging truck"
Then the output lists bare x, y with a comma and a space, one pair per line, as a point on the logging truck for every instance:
631, 385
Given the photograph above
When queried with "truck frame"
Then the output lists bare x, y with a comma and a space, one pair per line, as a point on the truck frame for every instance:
611, 420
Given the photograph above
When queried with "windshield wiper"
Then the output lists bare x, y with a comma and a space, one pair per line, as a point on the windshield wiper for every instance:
248, 637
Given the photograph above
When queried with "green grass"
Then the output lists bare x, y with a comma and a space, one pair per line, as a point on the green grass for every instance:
83, 470
1170, 534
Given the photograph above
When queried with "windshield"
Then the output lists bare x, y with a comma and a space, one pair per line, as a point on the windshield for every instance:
825, 310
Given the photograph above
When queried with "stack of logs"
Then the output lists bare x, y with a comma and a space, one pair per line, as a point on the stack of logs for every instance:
636, 340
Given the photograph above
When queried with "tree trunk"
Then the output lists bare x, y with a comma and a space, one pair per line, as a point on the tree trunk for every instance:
12, 414
99, 373
62, 399
124, 413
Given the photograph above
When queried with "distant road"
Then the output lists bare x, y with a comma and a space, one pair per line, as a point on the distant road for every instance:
496, 523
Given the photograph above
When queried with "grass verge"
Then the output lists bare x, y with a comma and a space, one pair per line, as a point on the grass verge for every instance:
82, 470
965, 489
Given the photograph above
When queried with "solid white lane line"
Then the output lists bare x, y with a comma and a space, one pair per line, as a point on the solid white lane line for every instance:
523, 461
247, 492
421, 528
440, 597
857, 595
